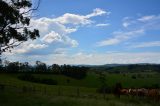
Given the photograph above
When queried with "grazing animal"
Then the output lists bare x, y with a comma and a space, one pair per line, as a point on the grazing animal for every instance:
133, 92
124, 91
153, 93
141, 92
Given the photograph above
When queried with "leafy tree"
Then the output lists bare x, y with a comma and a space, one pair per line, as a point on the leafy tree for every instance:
13, 67
14, 24
41, 67
103, 89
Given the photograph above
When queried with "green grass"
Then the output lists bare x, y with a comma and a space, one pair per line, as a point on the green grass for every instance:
142, 79
12, 98
92, 80
47, 95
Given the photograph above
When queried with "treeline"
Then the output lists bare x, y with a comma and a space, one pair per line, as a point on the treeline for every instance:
130, 68
77, 72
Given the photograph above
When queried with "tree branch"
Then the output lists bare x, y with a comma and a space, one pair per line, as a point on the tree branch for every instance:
33, 9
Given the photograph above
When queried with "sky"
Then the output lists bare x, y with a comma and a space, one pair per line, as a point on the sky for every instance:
93, 32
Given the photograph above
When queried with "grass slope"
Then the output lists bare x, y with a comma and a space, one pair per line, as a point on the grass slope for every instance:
66, 94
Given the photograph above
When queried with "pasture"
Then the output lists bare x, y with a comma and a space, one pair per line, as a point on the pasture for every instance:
72, 92
128, 80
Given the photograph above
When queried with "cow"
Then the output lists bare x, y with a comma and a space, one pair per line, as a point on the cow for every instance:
153, 93
124, 91
142, 92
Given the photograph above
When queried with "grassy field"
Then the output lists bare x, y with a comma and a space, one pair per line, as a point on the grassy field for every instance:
75, 93
142, 79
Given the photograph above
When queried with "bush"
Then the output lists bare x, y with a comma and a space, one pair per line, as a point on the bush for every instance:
133, 77
31, 78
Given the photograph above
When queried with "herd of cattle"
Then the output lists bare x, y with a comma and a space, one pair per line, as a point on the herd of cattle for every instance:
143, 92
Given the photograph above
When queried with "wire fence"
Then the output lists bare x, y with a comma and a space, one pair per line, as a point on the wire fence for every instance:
55, 91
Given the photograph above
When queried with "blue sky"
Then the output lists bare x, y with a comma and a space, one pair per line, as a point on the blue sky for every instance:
93, 32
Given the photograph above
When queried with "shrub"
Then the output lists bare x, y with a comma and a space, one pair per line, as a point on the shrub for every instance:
134, 77
31, 78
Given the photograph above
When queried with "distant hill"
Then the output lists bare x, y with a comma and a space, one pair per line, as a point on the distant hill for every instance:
122, 68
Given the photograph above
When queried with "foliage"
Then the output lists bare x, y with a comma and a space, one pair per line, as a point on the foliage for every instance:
40, 67
74, 71
77, 72
14, 23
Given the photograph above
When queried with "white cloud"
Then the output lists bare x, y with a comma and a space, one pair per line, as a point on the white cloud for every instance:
28, 47
68, 41
76, 19
146, 18
46, 25
52, 37
136, 26
62, 57
120, 37
126, 24
97, 12
73, 19
102, 25
60, 51
105, 58
146, 44
57, 30
127, 21
108, 42
148, 22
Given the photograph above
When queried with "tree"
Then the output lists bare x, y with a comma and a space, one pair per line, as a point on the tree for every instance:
41, 67
14, 24
103, 88
13, 67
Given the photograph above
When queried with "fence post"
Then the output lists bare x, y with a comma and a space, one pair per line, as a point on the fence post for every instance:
78, 92
24, 89
45, 90
59, 91
104, 93
34, 90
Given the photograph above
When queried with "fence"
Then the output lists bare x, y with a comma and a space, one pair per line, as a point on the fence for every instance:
77, 92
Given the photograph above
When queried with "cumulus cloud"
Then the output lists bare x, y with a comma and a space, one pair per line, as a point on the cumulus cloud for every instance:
57, 30
46, 25
28, 47
77, 19
52, 37
73, 19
